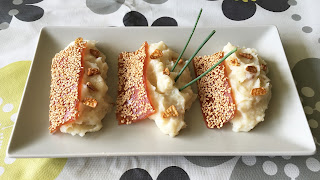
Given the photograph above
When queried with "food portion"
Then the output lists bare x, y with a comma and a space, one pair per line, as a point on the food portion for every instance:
237, 90
170, 103
133, 101
147, 88
217, 104
250, 85
78, 96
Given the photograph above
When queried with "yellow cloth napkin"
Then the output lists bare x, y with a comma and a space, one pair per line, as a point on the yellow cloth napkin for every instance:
12, 81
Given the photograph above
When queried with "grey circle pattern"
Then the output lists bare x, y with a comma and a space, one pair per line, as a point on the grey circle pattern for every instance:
306, 73
307, 29
23, 10
169, 173
104, 6
296, 17
292, 2
155, 1
208, 161
17, 2
257, 171
5, 25
13, 12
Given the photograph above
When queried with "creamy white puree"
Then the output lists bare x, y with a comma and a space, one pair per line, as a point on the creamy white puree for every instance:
164, 91
250, 109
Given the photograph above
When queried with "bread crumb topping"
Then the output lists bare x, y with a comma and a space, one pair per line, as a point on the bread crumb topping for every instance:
90, 102
251, 69
93, 71
166, 71
95, 53
171, 111
234, 62
90, 86
246, 55
258, 91
156, 54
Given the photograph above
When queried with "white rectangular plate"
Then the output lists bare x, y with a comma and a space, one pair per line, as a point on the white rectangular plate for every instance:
285, 130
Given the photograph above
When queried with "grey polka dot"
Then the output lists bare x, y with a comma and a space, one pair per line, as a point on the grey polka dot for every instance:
206, 161
313, 164
13, 12
317, 105
4, 25
155, 1
307, 91
308, 110
307, 29
17, 2
296, 17
291, 170
292, 2
270, 168
313, 123
104, 6
249, 160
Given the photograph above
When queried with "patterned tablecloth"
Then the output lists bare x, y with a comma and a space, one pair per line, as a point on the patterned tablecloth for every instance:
22, 20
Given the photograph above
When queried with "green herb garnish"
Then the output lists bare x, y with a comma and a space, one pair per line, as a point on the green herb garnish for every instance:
194, 54
207, 71
185, 47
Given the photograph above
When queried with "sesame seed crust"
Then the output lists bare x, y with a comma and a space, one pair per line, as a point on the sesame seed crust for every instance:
66, 73
133, 101
214, 91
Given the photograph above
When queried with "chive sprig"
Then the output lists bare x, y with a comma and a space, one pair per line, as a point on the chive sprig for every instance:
194, 54
210, 69
185, 47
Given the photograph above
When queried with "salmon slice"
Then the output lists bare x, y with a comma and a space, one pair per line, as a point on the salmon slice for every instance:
66, 76
214, 91
133, 101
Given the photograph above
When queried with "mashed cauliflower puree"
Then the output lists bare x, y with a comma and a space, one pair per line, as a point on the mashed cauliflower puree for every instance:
89, 119
246, 72
164, 91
